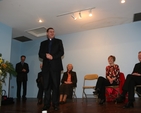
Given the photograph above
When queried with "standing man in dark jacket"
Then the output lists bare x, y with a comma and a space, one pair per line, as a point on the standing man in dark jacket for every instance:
22, 69
51, 51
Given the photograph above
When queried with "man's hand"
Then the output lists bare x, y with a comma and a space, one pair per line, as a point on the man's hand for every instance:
49, 56
24, 70
136, 74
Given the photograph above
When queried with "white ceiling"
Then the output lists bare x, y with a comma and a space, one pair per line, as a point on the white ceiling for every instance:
23, 15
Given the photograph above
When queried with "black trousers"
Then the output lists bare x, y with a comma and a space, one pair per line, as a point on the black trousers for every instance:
129, 86
101, 84
19, 83
40, 91
51, 82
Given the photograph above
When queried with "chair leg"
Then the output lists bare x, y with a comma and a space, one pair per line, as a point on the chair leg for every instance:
113, 96
84, 96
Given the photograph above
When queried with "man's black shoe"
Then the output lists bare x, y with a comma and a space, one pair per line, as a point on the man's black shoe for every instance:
56, 108
129, 105
45, 108
18, 99
120, 99
24, 98
39, 102
102, 101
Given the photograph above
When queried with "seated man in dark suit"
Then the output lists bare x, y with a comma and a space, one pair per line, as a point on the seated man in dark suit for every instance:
131, 81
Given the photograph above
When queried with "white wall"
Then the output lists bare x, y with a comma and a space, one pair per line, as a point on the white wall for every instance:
88, 52
15, 58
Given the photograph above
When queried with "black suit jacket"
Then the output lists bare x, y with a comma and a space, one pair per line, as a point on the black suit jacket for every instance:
22, 76
57, 51
39, 79
73, 78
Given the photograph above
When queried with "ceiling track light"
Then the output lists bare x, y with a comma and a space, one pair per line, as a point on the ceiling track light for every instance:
80, 16
90, 13
78, 11
73, 17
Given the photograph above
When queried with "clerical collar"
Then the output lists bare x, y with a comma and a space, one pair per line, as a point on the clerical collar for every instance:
50, 39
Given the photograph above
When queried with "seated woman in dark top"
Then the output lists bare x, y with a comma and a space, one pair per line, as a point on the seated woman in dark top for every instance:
112, 78
68, 81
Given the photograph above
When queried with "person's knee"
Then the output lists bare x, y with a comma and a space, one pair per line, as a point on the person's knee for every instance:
129, 76
100, 77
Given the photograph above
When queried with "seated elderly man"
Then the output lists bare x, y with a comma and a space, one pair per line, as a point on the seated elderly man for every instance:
131, 81
69, 81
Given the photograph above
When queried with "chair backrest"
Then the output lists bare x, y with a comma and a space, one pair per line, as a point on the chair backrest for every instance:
90, 77
122, 80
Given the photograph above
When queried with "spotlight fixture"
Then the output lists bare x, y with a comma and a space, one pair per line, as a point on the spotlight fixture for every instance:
90, 13
73, 17
80, 16
122, 1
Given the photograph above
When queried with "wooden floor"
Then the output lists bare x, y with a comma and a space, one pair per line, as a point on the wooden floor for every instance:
76, 106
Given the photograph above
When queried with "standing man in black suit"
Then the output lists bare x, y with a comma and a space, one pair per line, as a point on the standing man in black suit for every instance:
51, 51
22, 69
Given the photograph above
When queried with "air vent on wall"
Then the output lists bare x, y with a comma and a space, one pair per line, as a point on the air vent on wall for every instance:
137, 17
38, 32
22, 39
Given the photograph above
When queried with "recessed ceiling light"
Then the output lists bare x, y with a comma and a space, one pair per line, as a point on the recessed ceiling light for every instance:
122, 1
40, 21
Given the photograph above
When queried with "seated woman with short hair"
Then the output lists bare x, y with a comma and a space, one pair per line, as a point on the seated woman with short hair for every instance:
112, 78
68, 81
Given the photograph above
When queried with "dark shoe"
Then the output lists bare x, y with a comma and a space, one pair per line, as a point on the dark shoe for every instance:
96, 92
129, 105
63, 102
39, 102
120, 99
45, 108
60, 102
102, 101
24, 98
56, 108
18, 99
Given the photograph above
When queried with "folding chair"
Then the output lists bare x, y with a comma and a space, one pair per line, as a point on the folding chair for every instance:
88, 77
138, 93
112, 92
74, 94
